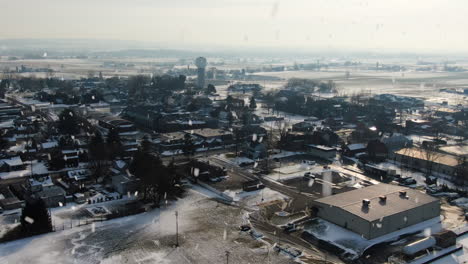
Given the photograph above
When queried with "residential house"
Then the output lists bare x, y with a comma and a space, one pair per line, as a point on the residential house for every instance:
351, 150
255, 150
43, 188
212, 138
205, 171
11, 164
124, 184
396, 141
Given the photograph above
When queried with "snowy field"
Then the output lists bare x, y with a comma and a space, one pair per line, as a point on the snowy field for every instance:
207, 230
424, 85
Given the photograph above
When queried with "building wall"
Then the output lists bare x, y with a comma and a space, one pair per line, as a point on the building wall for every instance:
322, 154
53, 201
344, 219
404, 219
370, 230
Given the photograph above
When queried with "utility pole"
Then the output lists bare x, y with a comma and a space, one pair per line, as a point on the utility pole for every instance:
227, 256
177, 228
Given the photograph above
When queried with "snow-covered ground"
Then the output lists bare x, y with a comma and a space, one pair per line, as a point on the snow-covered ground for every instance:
207, 229
355, 244
254, 198
460, 256
292, 172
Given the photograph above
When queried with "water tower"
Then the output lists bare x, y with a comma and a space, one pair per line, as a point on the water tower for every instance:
200, 62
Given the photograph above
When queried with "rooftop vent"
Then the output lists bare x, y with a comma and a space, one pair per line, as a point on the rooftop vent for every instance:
383, 198
403, 193
365, 202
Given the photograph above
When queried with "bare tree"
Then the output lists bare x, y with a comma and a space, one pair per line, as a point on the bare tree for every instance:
431, 155
461, 171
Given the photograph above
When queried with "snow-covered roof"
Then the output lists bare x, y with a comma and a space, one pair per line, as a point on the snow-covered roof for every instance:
70, 151
356, 146
120, 164
14, 161
321, 147
48, 145
78, 174
50, 191
44, 181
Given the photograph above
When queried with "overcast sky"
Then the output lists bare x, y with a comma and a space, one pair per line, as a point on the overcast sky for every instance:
411, 25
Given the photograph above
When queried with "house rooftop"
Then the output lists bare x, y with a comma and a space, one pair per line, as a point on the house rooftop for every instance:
173, 136
209, 132
321, 147
438, 157
356, 146
397, 199
14, 161
51, 191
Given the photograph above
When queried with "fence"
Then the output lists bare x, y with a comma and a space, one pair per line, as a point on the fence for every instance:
72, 223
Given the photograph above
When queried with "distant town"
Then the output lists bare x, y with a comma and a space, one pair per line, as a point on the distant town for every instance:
194, 159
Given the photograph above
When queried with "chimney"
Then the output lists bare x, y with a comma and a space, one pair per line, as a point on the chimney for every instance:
365, 203
383, 198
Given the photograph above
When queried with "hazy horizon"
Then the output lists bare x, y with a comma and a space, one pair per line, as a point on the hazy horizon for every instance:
432, 26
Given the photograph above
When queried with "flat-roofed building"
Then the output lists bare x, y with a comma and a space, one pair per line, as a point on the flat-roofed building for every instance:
377, 210
210, 137
323, 152
420, 159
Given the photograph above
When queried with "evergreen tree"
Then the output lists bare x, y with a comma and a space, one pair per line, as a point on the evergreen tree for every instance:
68, 122
189, 145
210, 89
56, 161
246, 117
252, 104
146, 166
35, 218
3, 141
230, 118
98, 154
114, 144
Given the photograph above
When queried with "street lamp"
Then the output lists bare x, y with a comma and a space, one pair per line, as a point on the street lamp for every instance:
177, 228
227, 256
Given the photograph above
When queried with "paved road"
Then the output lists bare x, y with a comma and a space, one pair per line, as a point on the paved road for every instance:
277, 235
299, 202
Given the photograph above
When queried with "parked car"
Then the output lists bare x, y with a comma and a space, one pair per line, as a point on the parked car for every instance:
308, 162
408, 181
309, 175
255, 234
289, 228
244, 228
